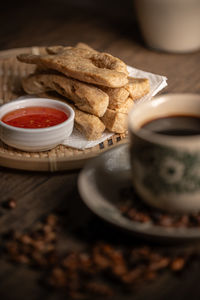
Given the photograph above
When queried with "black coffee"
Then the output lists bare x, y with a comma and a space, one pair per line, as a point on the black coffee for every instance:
175, 125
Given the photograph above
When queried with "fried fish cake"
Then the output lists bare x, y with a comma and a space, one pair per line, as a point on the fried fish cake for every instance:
137, 87
85, 96
89, 125
84, 65
115, 121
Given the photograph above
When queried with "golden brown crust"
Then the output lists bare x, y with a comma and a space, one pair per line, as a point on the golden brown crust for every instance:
58, 48
89, 125
137, 87
115, 121
86, 97
84, 65
85, 46
114, 63
117, 96
124, 107
55, 49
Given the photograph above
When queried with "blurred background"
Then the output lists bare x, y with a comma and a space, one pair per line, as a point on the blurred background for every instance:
105, 25
36, 22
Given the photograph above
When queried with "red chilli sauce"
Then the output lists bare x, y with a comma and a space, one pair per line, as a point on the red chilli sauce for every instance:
34, 117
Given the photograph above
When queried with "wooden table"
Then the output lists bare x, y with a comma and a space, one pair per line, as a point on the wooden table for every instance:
113, 30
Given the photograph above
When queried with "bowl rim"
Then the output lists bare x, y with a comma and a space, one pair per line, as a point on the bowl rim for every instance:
154, 137
51, 103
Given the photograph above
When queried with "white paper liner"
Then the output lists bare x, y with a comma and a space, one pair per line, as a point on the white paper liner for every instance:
78, 141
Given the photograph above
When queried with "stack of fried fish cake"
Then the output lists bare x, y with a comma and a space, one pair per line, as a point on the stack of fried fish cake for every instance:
96, 85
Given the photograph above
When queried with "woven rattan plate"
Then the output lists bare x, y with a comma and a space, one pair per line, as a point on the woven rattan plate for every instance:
57, 159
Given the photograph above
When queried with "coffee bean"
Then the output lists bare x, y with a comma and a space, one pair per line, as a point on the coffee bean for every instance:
177, 264
133, 275
10, 203
162, 263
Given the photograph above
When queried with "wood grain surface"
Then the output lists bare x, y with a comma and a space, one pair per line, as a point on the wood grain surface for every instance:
110, 27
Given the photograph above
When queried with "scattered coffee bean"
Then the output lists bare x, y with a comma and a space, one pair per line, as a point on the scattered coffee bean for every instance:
133, 275
177, 264
10, 203
157, 265
132, 207
94, 271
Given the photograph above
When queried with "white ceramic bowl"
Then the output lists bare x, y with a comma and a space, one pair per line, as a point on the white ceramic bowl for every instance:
40, 139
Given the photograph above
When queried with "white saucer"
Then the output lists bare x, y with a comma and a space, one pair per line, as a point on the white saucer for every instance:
100, 183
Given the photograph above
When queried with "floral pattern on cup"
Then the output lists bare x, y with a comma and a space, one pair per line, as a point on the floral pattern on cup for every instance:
166, 170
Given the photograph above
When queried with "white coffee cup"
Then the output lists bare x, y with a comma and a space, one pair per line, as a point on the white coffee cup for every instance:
166, 168
170, 25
